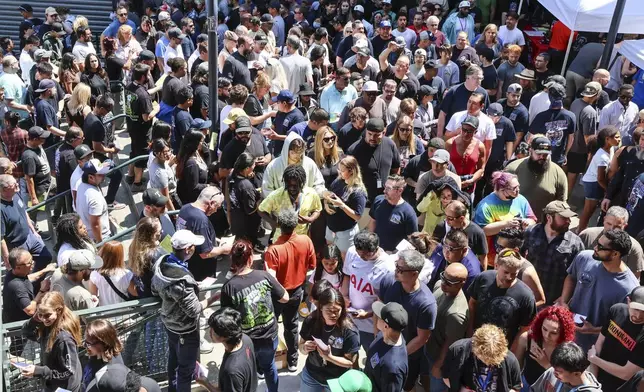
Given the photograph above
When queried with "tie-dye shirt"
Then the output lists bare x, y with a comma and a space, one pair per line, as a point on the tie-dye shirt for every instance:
492, 209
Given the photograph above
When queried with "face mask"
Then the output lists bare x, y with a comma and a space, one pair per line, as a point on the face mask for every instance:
556, 103
316, 25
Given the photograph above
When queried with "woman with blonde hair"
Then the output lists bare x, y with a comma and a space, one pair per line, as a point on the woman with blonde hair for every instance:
257, 106
112, 282
78, 106
144, 252
345, 203
482, 363
489, 39
230, 46
57, 329
103, 348
128, 46
409, 145
276, 75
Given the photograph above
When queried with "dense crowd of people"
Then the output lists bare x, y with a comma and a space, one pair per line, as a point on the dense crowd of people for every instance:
395, 176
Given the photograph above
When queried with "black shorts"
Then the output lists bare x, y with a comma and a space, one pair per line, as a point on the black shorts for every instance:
139, 147
576, 162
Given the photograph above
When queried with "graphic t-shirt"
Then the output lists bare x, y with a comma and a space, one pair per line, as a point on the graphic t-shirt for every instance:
364, 282
393, 223
634, 207
387, 365
492, 209
557, 125
624, 342
252, 295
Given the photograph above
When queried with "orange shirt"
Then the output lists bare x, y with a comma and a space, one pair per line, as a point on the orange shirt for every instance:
291, 256
560, 36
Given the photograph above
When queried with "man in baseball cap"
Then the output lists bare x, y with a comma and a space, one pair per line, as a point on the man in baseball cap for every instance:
79, 267
559, 207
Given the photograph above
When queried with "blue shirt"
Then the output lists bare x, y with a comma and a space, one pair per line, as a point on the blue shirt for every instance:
470, 261
393, 223
387, 366
355, 199
15, 228
162, 44
302, 129
283, 122
596, 290
638, 93
113, 28
420, 306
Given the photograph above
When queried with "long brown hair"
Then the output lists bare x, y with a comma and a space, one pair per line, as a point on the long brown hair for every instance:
318, 147
105, 333
412, 136
113, 257
66, 321
330, 297
143, 244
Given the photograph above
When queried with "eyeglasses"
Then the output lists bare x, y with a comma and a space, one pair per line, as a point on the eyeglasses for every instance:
329, 139
405, 129
448, 281
29, 264
400, 270
122, 14
392, 188
451, 248
601, 247
88, 343
513, 189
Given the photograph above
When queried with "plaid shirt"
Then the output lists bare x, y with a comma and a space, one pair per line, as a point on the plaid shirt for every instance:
551, 259
15, 141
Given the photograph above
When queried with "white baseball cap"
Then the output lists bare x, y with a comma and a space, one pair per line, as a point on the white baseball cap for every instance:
370, 86
183, 239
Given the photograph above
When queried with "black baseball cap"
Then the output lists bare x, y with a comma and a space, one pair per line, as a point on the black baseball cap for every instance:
392, 313
375, 125
82, 151
37, 132
152, 197
26, 8
242, 124
541, 145
146, 55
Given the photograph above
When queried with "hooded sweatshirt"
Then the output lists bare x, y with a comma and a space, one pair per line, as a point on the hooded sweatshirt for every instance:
60, 367
549, 383
55, 44
273, 175
179, 293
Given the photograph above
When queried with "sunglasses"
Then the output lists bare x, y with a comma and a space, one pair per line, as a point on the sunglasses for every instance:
123, 14
329, 139
399, 270
469, 131
244, 133
404, 129
448, 281
451, 248
601, 247
509, 252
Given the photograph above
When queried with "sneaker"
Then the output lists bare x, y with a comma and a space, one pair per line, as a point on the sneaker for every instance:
115, 206
206, 347
136, 188
304, 310
260, 375
292, 367
129, 180
259, 248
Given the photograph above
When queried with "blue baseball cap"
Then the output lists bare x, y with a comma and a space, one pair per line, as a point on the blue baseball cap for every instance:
199, 123
385, 23
284, 96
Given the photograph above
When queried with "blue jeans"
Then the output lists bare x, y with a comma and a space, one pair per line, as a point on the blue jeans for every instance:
435, 384
309, 384
366, 339
183, 354
265, 357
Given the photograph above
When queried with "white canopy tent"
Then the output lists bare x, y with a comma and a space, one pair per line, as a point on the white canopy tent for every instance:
595, 16
633, 50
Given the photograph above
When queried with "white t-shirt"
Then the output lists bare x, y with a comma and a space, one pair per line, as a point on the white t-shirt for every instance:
106, 295
64, 252
171, 52
485, 131
364, 282
90, 201
333, 279
600, 159
75, 181
509, 37
82, 50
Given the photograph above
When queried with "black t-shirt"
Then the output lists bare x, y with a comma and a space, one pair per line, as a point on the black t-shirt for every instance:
35, 165
475, 237
140, 103
541, 78
193, 219
456, 100
380, 44
347, 135
200, 100
509, 309
252, 295
236, 69
387, 366
504, 133
170, 90
17, 294
407, 87
253, 107
490, 78
341, 340
94, 131
195, 65
518, 115
417, 166
257, 148
356, 199
624, 342
556, 124
376, 163
114, 68
368, 73
463, 369
238, 370
244, 198
393, 223
632, 384
65, 165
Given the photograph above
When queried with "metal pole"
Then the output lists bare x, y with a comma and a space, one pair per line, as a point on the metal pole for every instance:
612, 33
213, 68
563, 66
520, 7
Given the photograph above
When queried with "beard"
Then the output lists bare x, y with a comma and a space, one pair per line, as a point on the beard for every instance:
539, 166
597, 257
560, 229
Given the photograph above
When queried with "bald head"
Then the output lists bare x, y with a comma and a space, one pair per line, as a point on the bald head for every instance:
456, 271
602, 76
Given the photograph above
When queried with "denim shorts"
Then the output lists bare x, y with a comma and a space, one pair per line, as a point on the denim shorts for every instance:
593, 191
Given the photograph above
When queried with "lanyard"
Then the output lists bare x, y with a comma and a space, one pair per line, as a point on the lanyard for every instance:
463, 26
488, 379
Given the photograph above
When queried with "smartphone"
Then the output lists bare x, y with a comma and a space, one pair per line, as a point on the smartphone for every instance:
20, 365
